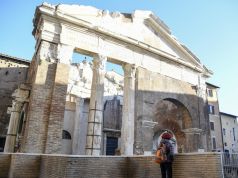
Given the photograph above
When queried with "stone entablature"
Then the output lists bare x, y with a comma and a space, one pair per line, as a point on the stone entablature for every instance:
93, 30
80, 81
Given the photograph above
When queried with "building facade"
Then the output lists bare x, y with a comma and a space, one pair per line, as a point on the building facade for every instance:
214, 117
78, 109
230, 132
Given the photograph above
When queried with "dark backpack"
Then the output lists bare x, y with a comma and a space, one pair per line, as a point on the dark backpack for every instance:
161, 154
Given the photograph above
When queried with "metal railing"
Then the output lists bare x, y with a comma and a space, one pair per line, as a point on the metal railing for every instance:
230, 165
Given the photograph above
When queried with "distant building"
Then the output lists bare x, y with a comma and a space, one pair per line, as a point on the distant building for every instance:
230, 132
214, 117
13, 72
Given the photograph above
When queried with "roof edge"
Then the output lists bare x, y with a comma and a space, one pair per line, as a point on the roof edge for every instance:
226, 114
15, 58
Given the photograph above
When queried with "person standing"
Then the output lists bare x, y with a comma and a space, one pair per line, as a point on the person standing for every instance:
166, 166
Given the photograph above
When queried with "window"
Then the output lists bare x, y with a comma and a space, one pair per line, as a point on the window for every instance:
211, 109
224, 131
234, 134
111, 145
212, 125
210, 92
214, 143
66, 135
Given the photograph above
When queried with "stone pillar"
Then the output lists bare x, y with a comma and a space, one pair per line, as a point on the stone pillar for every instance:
128, 110
20, 96
79, 137
94, 133
203, 115
147, 130
47, 101
192, 137
13, 126
57, 109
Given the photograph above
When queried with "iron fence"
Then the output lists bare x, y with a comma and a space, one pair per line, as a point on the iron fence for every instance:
230, 165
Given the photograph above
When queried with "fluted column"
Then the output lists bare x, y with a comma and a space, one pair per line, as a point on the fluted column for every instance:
128, 112
94, 133
20, 96
13, 126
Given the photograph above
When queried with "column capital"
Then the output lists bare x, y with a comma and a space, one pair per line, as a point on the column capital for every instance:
21, 95
129, 70
99, 62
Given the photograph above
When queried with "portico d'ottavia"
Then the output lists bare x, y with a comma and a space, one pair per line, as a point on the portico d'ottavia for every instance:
159, 73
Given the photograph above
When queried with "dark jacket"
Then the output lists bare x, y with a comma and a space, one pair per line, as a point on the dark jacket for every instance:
169, 150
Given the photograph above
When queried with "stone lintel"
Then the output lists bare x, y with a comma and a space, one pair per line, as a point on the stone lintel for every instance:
192, 131
149, 124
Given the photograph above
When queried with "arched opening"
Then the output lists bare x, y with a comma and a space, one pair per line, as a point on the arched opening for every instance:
66, 142
158, 136
172, 115
66, 135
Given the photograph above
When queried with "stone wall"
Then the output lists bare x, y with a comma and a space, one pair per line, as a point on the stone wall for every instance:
194, 165
25, 165
5, 161
153, 88
13, 72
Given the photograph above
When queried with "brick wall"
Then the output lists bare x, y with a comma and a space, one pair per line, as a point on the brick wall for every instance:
198, 166
5, 160
25, 165
83, 167
32, 165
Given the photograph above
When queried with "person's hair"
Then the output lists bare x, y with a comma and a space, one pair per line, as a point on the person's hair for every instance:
166, 135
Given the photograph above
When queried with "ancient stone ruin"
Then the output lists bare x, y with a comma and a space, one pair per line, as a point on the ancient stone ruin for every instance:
64, 107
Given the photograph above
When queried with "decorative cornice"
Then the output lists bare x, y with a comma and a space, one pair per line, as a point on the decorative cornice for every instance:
53, 11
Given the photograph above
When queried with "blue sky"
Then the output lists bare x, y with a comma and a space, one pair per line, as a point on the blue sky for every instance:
209, 28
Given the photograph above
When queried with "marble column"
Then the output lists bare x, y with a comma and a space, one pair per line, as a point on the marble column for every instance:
95, 119
79, 137
13, 126
128, 111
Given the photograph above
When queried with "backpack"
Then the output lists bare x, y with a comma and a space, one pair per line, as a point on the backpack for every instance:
160, 155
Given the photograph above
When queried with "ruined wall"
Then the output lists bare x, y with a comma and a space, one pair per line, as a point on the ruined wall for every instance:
112, 115
151, 89
13, 72
34, 165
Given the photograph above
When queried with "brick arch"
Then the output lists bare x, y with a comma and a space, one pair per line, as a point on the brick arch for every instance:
173, 115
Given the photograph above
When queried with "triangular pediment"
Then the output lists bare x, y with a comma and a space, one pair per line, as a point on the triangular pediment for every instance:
143, 27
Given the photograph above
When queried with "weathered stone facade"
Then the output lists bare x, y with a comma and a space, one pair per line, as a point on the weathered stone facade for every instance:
163, 86
13, 72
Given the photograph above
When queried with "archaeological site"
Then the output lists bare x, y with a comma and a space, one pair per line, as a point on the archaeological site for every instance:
64, 114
